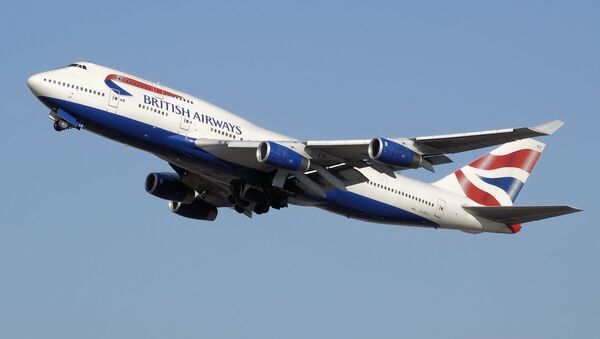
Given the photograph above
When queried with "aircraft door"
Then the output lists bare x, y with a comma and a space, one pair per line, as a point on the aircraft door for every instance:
157, 90
113, 100
439, 211
185, 122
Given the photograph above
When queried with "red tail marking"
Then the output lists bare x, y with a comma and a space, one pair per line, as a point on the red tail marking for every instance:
524, 159
475, 193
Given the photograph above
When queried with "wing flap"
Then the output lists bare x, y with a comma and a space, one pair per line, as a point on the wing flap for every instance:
510, 215
344, 149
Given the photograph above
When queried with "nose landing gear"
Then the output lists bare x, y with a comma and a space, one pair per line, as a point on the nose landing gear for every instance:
61, 125
63, 120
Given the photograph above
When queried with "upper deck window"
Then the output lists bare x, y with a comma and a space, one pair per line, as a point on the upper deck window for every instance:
78, 66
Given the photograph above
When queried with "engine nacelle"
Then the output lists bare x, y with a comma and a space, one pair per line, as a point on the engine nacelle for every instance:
168, 186
198, 209
279, 156
392, 153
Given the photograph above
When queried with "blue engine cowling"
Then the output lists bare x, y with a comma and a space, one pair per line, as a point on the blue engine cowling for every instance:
279, 156
394, 154
198, 209
168, 186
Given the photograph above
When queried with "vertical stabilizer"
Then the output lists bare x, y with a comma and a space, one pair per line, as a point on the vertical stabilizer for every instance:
496, 178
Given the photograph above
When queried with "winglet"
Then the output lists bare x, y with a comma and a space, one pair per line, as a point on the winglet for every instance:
549, 127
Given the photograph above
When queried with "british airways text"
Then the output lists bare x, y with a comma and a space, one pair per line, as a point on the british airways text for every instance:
203, 118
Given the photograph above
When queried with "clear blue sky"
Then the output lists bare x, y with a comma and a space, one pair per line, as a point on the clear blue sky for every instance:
86, 253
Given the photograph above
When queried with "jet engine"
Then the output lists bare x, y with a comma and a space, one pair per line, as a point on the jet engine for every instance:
394, 154
168, 186
197, 209
279, 156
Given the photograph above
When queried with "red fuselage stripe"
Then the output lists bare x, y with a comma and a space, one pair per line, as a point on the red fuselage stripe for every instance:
139, 84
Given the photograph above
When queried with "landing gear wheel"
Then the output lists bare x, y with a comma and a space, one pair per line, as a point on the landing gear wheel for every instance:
238, 208
231, 199
60, 125
261, 208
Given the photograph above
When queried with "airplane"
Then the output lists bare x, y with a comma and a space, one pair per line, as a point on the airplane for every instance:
221, 160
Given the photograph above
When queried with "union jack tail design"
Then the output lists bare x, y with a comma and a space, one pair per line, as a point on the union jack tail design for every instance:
496, 178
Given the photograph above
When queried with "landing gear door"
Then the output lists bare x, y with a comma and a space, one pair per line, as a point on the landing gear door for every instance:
439, 211
113, 100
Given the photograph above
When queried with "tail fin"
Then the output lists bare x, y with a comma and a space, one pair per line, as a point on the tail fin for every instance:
496, 178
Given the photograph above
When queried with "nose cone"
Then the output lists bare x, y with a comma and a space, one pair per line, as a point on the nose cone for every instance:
34, 84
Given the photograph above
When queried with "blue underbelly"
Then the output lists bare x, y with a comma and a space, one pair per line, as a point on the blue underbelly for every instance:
364, 208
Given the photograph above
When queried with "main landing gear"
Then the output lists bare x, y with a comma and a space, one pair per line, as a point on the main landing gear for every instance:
61, 125
244, 197
240, 203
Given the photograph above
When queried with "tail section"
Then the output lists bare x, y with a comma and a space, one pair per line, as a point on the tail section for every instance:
496, 178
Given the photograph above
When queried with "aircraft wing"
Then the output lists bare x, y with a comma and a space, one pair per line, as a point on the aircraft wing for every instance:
328, 153
212, 191
440, 144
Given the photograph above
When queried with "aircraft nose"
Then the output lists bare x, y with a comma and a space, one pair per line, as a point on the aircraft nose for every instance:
34, 83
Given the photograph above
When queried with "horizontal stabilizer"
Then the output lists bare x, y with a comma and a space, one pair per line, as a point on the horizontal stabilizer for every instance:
518, 214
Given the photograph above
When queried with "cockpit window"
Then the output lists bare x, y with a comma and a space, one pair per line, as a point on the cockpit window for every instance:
78, 66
